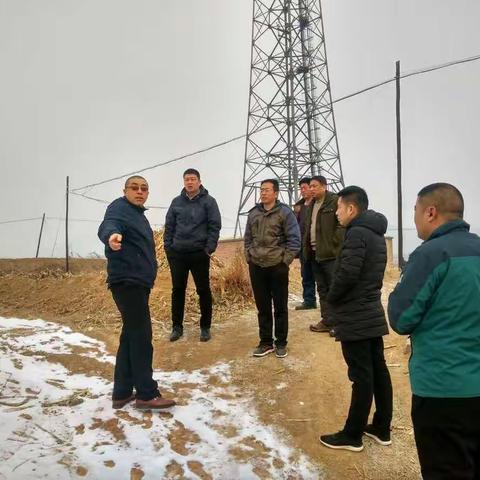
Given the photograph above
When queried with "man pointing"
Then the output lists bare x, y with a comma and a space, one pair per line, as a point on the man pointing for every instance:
132, 268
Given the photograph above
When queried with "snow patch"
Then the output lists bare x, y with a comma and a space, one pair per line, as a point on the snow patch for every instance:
59, 424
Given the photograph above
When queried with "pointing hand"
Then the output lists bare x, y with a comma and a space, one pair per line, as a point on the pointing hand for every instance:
115, 241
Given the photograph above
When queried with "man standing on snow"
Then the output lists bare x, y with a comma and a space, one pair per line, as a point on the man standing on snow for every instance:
192, 228
132, 268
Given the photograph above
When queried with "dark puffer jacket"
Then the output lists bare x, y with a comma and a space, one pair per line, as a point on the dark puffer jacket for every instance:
192, 225
271, 236
135, 262
355, 292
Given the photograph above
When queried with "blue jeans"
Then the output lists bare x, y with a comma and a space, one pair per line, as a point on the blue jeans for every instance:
308, 281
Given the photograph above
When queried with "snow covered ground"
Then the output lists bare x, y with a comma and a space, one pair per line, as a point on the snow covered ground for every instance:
57, 423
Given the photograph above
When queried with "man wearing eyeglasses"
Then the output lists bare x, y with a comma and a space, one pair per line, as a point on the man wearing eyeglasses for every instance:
272, 241
192, 228
132, 268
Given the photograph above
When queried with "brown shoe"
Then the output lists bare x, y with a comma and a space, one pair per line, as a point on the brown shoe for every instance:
121, 403
319, 327
154, 404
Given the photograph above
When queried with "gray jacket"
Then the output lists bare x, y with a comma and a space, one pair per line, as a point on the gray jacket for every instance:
272, 236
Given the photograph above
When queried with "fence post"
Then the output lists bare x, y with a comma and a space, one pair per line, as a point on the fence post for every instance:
40, 236
401, 261
67, 268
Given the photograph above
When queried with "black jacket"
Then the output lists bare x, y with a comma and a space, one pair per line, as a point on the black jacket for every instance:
301, 211
135, 262
192, 225
355, 291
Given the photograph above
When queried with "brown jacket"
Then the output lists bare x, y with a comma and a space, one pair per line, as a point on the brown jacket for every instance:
328, 232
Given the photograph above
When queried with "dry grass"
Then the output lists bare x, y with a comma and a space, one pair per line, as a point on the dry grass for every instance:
159, 250
230, 287
84, 298
229, 282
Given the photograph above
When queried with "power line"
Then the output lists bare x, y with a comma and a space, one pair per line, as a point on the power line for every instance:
161, 164
239, 137
440, 66
56, 238
73, 219
107, 202
99, 200
20, 220
408, 74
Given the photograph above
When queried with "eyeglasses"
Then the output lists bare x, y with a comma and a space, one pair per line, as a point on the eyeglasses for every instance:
136, 188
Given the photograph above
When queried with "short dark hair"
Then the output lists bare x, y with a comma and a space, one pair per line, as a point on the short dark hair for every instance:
447, 199
320, 179
129, 179
192, 171
304, 180
356, 195
273, 181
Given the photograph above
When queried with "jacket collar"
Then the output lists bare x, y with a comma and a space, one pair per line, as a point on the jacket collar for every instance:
136, 207
449, 227
275, 207
327, 200
202, 192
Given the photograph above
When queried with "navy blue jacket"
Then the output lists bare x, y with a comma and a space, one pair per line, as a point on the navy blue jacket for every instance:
135, 262
192, 225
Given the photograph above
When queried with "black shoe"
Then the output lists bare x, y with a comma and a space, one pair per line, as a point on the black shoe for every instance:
281, 352
332, 332
342, 441
177, 332
383, 438
263, 350
306, 306
205, 334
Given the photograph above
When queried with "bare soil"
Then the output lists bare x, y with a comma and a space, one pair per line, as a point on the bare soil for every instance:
304, 395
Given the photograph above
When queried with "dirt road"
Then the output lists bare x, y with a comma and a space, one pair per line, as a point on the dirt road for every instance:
302, 396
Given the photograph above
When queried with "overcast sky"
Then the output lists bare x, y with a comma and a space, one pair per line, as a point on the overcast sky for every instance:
95, 89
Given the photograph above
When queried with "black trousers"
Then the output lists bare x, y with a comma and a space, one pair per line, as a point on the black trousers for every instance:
180, 265
271, 284
369, 374
323, 272
447, 434
133, 367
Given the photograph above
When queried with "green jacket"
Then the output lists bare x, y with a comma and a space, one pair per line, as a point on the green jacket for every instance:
437, 303
328, 232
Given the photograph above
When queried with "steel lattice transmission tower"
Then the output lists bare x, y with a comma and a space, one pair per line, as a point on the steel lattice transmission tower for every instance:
291, 127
